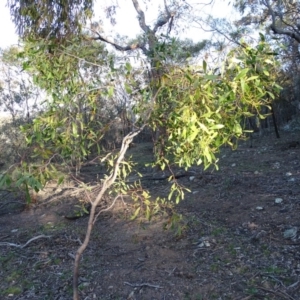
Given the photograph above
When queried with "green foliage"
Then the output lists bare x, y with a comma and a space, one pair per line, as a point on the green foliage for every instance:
50, 19
170, 50
200, 111
143, 205
30, 177
176, 223
69, 125
73, 118
16, 88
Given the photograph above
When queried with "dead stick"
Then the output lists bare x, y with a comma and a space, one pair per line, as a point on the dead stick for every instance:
143, 284
26, 244
278, 293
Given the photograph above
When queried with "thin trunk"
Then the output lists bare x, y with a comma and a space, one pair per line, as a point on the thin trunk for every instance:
109, 181
274, 121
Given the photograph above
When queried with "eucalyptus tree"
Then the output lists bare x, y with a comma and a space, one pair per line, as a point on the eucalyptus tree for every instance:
161, 50
281, 21
281, 17
18, 93
19, 97
194, 109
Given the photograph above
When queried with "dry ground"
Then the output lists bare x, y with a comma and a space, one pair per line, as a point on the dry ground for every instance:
234, 241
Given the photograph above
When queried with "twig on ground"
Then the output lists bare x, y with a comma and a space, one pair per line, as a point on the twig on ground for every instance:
275, 279
143, 284
293, 285
3, 237
277, 293
26, 244
10, 202
247, 298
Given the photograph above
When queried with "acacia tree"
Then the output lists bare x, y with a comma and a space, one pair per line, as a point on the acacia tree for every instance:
197, 110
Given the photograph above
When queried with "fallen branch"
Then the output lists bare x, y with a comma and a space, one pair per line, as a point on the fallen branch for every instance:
143, 284
26, 244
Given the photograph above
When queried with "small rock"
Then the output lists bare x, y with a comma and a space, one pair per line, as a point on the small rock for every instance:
203, 242
290, 233
233, 165
14, 230
288, 174
195, 192
259, 208
292, 179
206, 243
256, 172
192, 178
278, 200
257, 236
83, 279
84, 284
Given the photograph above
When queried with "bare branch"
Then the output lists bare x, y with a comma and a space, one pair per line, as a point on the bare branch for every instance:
121, 48
118, 47
141, 14
108, 182
107, 208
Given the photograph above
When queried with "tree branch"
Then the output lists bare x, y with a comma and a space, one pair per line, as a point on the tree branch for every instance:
164, 19
118, 47
108, 182
150, 34
277, 30
141, 14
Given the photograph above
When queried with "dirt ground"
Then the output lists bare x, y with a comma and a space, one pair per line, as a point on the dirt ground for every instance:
238, 237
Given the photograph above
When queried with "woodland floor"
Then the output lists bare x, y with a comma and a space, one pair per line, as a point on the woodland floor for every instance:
234, 241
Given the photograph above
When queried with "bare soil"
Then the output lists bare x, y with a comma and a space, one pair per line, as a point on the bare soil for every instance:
235, 238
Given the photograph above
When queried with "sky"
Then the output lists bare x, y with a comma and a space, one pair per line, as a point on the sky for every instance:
7, 31
126, 21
